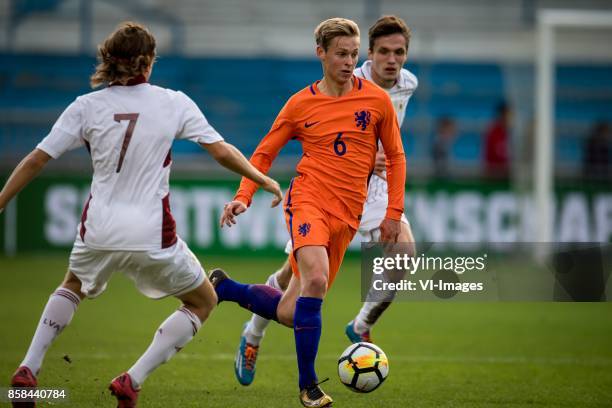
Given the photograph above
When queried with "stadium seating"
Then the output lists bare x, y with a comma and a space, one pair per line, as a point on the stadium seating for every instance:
242, 96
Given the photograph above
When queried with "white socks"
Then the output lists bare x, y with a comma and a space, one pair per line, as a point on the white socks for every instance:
369, 314
173, 334
256, 327
375, 305
360, 325
57, 315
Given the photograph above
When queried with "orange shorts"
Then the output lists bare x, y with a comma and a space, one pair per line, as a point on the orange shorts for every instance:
309, 225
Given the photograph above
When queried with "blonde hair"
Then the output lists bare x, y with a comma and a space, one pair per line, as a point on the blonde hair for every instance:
332, 28
124, 54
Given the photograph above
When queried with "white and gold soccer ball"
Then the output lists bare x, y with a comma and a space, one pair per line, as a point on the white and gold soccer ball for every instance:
362, 367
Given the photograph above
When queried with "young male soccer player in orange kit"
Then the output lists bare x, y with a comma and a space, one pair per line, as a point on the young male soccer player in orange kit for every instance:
339, 121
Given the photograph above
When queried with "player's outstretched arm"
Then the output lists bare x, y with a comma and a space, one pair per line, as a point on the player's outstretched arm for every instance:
396, 174
231, 158
25, 172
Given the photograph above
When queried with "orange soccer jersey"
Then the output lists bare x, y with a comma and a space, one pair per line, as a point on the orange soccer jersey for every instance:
339, 137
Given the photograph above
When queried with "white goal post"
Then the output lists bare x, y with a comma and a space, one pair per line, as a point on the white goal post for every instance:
547, 22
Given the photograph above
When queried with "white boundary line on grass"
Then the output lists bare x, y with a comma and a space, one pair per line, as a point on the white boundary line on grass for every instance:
590, 361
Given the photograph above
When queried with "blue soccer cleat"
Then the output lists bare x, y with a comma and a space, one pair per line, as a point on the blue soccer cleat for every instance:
355, 337
244, 362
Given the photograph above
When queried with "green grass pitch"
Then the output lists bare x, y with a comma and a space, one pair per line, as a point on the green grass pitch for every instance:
441, 354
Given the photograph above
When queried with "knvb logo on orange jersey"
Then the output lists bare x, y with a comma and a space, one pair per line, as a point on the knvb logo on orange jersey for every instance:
362, 119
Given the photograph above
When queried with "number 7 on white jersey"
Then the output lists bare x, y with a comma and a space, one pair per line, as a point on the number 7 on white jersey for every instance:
132, 117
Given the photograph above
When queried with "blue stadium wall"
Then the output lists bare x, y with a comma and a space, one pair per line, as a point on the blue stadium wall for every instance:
241, 97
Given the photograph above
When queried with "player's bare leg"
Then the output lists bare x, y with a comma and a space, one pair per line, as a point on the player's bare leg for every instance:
201, 301
57, 314
286, 307
254, 330
173, 334
284, 275
359, 329
72, 283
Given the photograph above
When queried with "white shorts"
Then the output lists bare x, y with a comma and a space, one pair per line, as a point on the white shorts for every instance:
373, 215
159, 273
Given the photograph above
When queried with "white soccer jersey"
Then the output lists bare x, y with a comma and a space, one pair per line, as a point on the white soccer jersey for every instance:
400, 94
128, 131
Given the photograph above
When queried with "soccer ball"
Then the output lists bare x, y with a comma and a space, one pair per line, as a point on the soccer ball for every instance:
363, 367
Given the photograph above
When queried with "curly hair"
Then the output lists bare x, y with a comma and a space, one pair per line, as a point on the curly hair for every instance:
126, 53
